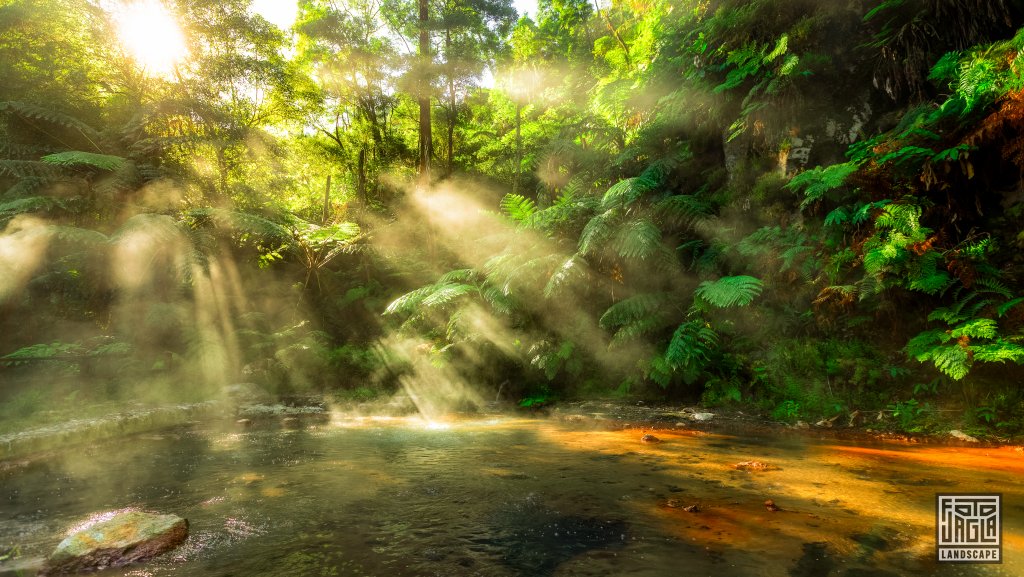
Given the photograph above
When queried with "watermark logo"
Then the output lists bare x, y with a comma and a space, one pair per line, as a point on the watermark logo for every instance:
968, 528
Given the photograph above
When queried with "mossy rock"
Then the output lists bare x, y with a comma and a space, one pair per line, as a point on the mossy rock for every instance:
128, 537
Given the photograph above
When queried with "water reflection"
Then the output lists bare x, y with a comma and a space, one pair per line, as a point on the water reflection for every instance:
511, 497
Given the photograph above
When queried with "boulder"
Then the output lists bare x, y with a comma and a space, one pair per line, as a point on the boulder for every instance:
127, 537
962, 436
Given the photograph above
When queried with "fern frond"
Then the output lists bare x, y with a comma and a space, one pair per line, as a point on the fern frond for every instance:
570, 269
637, 239
995, 285
409, 302
457, 275
1008, 305
518, 207
30, 204
596, 231
29, 169
32, 111
499, 300
975, 329
74, 158
998, 352
730, 291
843, 294
445, 293
818, 181
627, 191
682, 209
953, 360
837, 217
636, 329
633, 309
26, 187
690, 344
238, 221
925, 276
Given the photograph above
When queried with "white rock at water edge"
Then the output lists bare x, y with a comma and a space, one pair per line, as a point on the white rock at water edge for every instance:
960, 435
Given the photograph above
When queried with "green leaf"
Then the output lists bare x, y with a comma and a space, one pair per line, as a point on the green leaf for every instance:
518, 207
633, 309
818, 181
730, 291
637, 239
74, 158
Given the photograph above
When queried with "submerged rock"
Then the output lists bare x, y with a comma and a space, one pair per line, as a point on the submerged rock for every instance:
649, 439
755, 466
128, 537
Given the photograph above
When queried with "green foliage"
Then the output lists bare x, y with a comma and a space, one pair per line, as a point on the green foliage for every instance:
77, 158
518, 207
818, 182
729, 291
788, 411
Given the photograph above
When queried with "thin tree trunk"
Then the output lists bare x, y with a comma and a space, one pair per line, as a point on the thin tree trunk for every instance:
327, 200
615, 33
452, 111
426, 142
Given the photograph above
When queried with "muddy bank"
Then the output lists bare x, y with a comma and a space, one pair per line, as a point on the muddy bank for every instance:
641, 415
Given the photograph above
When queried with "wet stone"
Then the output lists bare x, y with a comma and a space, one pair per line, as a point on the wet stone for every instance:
125, 538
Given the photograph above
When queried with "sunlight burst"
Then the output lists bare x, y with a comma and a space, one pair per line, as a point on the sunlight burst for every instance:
150, 33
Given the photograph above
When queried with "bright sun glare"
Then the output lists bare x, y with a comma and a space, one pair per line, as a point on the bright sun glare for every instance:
150, 33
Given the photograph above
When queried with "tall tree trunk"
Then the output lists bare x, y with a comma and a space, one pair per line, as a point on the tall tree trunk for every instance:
426, 142
327, 200
452, 110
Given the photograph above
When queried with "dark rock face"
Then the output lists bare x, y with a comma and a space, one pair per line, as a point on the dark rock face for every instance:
128, 537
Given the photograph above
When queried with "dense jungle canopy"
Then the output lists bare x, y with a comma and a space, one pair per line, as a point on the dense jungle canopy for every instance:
803, 208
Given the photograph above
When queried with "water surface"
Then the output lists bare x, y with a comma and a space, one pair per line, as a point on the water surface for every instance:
514, 497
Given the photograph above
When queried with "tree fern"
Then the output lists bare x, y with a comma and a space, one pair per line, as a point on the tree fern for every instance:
729, 291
